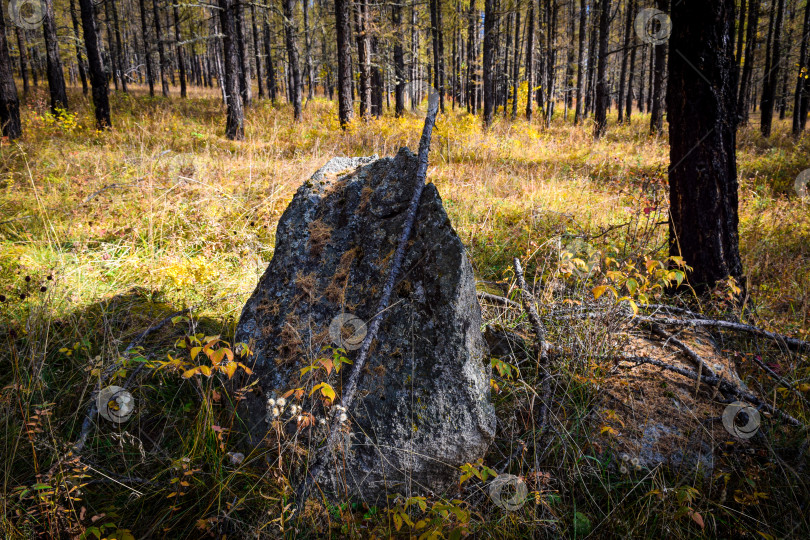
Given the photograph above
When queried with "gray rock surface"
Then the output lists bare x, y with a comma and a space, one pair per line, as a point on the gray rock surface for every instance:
422, 408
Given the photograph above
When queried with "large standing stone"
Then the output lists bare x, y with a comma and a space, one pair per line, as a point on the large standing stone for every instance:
422, 407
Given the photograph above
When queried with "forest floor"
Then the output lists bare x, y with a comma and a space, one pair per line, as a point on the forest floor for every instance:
105, 234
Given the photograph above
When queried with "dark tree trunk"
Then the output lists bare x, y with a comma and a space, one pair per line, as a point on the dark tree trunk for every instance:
657, 116
164, 82
181, 61
120, 56
82, 74
600, 109
399, 60
9, 100
112, 55
702, 116
257, 49
150, 77
24, 60
583, 27
363, 57
291, 33
56, 76
243, 53
472, 53
630, 75
98, 79
628, 23
530, 59
271, 70
748, 64
516, 67
490, 24
772, 70
438, 49
234, 128
802, 97
344, 61
308, 51
591, 67
376, 79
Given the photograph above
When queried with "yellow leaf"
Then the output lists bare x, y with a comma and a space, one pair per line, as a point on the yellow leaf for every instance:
599, 291
191, 372
230, 369
247, 369
195, 351
205, 370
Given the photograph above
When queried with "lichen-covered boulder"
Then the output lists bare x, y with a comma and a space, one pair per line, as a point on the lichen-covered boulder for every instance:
422, 407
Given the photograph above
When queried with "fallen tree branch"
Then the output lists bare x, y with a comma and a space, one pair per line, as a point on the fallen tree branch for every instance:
528, 305
399, 256
724, 385
699, 362
781, 381
495, 299
792, 343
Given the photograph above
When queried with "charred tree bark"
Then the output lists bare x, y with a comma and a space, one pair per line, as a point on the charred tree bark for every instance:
344, 61
438, 49
701, 108
9, 100
308, 51
98, 78
257, 49
600, 110
79, 61
628, 23
56, 76
630, 75
234, 128
243, 54
291, 33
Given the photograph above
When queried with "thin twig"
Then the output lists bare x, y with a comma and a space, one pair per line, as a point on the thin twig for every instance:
495, 299
528, 305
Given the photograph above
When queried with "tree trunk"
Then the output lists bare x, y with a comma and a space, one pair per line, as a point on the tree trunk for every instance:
22, 46
308, 51
600, 110
438, 49
150, 77
82, 74
178, 37
243, 54
631, 74
583, 27
399, 60
98, 79
271, 71
9, 100
234, 129
120, 56
702, 116
628, 23
772, 71
657, 116
164, 83
344, 61
802, 96
748, 64
363, 57
490, 24
291, 33
56, 76
529, 59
